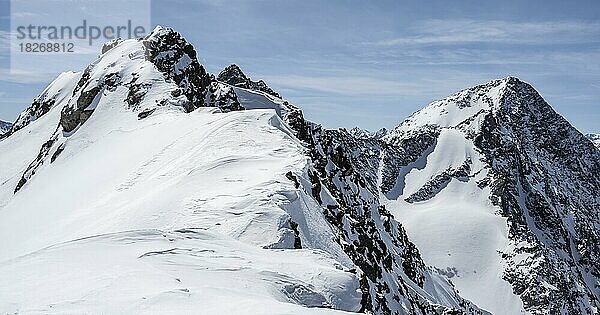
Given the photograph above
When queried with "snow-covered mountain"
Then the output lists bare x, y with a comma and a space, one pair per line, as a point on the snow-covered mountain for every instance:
502, 191
148, 182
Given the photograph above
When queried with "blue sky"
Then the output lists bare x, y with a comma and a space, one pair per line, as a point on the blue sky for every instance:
372, 63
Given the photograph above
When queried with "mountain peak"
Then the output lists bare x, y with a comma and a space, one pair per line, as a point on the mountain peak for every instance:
466, 108
367, 134
233, 75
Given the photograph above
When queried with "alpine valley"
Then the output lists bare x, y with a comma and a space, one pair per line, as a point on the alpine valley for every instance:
144, 184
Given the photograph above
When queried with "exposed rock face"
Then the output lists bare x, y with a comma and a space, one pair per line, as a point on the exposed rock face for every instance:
176, 59
365, 134
345, 182
39, 160
78, 111
5, 127
159, 71
222, 96
233, 75
61, 88
545, 177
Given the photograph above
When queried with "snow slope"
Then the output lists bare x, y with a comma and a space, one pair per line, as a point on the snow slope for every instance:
457, 229
229, 183
18, 149
175, 272
149, 183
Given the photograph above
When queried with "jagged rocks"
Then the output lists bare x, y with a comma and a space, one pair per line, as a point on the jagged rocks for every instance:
176, 59
440, 181
73, 116
60, 89
35, 164
233, 75
222, 96
543, 176
5, 127
366, 134
110, 45
595, 138
344, 182
545, 170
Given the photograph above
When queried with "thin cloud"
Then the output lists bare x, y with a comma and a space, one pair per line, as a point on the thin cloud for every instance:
440, 32
357, 84
342, 85
24, 77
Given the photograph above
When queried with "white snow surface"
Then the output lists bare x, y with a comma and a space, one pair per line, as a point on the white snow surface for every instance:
206, 170
175, 213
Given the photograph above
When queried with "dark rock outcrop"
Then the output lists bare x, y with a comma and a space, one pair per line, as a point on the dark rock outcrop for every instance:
176, 59
233, 75
5, 128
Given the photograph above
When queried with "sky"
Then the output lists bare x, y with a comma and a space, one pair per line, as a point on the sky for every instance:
372, 63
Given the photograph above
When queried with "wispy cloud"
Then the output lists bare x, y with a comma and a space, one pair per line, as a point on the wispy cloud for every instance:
349, 84
24, 14
462, 31
24, 77
339, 84
4, 40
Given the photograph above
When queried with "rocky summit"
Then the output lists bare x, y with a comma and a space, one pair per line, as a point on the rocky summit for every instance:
145, 181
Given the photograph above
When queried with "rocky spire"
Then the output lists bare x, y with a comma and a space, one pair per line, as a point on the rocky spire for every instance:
176, 59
